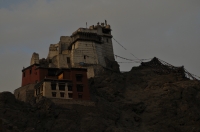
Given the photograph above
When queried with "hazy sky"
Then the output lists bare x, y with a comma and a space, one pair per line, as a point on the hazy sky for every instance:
167, 29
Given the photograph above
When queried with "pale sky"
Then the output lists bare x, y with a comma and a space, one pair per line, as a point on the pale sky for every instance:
167, 29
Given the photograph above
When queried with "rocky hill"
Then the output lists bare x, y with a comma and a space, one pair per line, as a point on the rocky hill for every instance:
146, 99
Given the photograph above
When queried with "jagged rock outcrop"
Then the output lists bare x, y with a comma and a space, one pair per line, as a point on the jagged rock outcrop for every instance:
141, 100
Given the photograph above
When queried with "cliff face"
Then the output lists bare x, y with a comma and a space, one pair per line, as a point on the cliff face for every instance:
141, 100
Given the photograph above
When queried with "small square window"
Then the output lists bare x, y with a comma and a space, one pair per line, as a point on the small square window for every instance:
53, 94
62, 94
70, 95
79, 77
79, 88
53, 86
62, 87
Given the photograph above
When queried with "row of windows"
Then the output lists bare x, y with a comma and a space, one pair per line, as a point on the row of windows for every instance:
62, 87
70, 95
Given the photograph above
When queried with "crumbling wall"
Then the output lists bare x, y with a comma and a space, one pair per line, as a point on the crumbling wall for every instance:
66, 52
64, 42
53, 51
44, 62
25, 93
54, 62
62, 61
34, 59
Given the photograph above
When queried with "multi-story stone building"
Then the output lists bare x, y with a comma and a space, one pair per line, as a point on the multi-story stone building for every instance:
69, 64
86, 47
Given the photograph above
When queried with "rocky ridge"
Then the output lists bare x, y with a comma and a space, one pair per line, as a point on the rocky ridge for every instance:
141, 100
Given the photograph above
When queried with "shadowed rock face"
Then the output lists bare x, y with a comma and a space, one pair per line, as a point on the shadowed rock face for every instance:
140, 100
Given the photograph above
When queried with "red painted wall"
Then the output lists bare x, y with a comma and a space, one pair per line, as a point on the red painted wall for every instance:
30, 77
67, 75
84, 82
36, 75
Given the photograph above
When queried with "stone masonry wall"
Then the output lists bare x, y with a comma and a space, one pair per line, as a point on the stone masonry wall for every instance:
84, 52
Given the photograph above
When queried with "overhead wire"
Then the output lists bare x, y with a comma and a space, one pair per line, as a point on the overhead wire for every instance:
141, 60
126, 49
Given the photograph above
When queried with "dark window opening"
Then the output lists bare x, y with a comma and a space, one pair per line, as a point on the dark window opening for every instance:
68, 60
53, 86
80, 96
84, 56
53, 94
50, 60
23, 74
79, 88
62, 94
106, 31
70, 95
62, 87
30, 71
107, 40
51, 72
69, 87
79, 77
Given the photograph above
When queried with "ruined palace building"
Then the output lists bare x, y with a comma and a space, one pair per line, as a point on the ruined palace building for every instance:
64, 73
